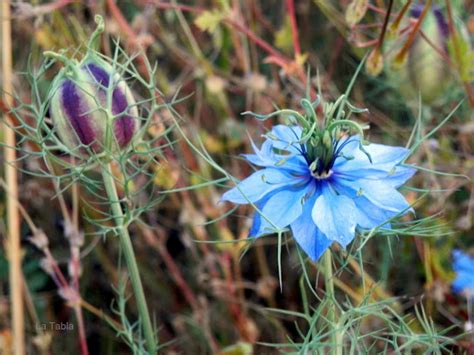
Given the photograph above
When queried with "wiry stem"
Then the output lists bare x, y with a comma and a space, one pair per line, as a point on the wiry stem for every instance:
98, 31
81, 326
74, 247
130, 259
336, 346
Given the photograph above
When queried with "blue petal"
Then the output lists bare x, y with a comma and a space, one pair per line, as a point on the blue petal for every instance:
383, 154
285, 138
256, 230
266, 157
257, 185
373, 216
307, 235
383, 165
400, 176
348, 145
463, 265
335, 215
281, 208
464, 282
379, 193
262, 157
462, 261
396, 176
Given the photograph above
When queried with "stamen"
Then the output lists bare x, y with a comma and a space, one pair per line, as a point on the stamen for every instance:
324, 175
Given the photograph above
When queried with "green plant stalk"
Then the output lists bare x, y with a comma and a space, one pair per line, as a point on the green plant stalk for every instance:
130, 259
332, 315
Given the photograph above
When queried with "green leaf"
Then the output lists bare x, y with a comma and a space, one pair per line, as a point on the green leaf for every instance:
209, 20
283, 37
241, 348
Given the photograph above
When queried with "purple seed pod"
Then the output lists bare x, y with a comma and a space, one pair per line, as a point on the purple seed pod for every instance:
81, 113
441, 23
426, 71
123, 104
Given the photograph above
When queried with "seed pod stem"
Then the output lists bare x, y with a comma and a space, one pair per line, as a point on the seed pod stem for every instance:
57, 56
70, 64
60, 57
129, 254
93, 45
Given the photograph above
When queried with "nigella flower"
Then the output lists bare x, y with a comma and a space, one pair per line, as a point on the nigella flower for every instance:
463, 266
322, 187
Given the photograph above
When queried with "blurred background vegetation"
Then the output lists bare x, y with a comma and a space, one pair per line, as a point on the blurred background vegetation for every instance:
232, 56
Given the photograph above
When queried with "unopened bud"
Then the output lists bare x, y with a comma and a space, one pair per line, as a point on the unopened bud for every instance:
374, 63
422, 67
81, 114
91, 105
327, 140
428, 69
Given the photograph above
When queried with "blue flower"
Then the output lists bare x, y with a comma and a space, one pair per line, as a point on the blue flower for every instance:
322, 194
463, 266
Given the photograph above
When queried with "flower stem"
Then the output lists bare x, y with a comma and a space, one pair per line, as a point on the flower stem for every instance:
81, 327
129, 255
13, 245
336, 344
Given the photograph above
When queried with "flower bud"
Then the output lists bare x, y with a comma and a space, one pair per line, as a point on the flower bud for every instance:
91, 105
374, 63
428, 69
424, 68
327, 140
123, 106
80, 111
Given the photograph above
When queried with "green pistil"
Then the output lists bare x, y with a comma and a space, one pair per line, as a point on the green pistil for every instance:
320, 152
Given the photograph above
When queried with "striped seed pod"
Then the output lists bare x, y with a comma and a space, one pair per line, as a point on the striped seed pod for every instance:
82, 114
423, 69
427, 64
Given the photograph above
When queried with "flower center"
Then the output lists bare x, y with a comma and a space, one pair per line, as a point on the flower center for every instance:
321, 176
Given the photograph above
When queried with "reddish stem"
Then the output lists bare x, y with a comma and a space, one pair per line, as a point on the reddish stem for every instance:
159, 245
257, 40
366, 44
334, 60
81, 326
234, 306
252, 36
397, 21
62, 280
294, 26
130, 34
76, 267
412, 36
376, 9
385, 24
440, 51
